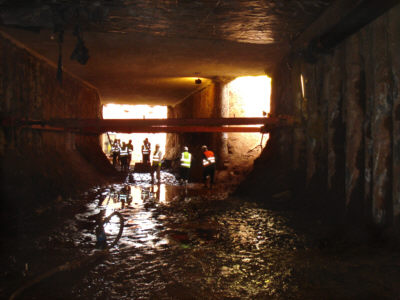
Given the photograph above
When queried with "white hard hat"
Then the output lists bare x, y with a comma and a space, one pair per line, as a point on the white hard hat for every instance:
185, 148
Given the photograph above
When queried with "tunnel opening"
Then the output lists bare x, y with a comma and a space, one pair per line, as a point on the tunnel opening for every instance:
241, 98
248, 96
126, 111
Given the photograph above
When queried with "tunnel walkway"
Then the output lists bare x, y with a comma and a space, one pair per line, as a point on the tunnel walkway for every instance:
200, 244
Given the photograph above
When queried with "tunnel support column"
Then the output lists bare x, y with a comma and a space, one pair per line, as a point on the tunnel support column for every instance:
394, 33
381, 126
221, 111
354, 104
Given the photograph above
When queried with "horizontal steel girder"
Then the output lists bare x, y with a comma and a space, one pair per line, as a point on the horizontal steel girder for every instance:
97, 126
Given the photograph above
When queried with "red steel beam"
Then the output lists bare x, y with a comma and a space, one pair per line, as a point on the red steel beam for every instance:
138, 125
178, 129
120, 123
156, 125
153, 129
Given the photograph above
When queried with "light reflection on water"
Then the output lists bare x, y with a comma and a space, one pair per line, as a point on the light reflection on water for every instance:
173, 239
141, 227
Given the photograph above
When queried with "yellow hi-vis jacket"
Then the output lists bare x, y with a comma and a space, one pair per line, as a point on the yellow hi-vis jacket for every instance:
186, 159
157, 156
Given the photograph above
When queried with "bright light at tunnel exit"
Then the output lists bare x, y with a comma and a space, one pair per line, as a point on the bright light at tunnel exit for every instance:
255, 92
249, 96
125, 111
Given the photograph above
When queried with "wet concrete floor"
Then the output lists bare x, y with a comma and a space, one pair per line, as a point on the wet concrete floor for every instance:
196, 244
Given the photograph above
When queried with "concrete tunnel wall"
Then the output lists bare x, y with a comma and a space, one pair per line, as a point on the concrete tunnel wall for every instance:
44, 164
344, 155
234, 152
202, 104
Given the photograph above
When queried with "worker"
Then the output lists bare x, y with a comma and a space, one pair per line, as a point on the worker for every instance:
124, 153
186, 159
130, 149
156, 165
156, 194
125, 196
115, 150
208, 165
101, 238
146, 150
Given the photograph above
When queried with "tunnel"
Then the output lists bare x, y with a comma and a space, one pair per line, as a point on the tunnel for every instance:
306, 196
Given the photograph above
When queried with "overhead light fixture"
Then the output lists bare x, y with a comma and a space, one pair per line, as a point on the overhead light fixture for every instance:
197, 81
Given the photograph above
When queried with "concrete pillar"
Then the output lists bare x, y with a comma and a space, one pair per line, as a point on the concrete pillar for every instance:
315, 132
365, 42
298, 131
381, 126
311, 122
394, 48
335, 130
354, 103
221, 111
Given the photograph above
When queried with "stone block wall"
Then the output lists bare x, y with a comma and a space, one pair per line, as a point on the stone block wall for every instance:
38, 163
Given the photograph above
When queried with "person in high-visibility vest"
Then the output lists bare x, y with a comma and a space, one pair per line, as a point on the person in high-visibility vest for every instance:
124, 157
124, 196
130, 149
186, 159
146, 150
115, 150
208, 165
156, 165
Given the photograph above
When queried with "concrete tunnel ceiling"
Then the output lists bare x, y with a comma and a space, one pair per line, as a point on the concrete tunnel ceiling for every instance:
141, 51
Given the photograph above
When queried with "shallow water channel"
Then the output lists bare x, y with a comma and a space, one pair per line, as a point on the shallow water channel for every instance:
190, 244
200, 244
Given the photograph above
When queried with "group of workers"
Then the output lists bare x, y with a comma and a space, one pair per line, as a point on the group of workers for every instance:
208, 163
123, 154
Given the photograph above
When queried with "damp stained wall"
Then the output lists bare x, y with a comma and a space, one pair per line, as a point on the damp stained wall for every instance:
41, 163
344, 153
202, 104
235, 152
243, 148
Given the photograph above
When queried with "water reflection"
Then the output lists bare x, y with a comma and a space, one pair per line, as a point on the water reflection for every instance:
198, 240
203, 246
136, 203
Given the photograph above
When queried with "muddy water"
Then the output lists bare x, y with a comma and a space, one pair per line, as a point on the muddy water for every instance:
199, 244
179, 245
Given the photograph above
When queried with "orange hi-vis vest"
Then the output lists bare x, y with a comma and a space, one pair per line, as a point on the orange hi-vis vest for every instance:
210, 158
